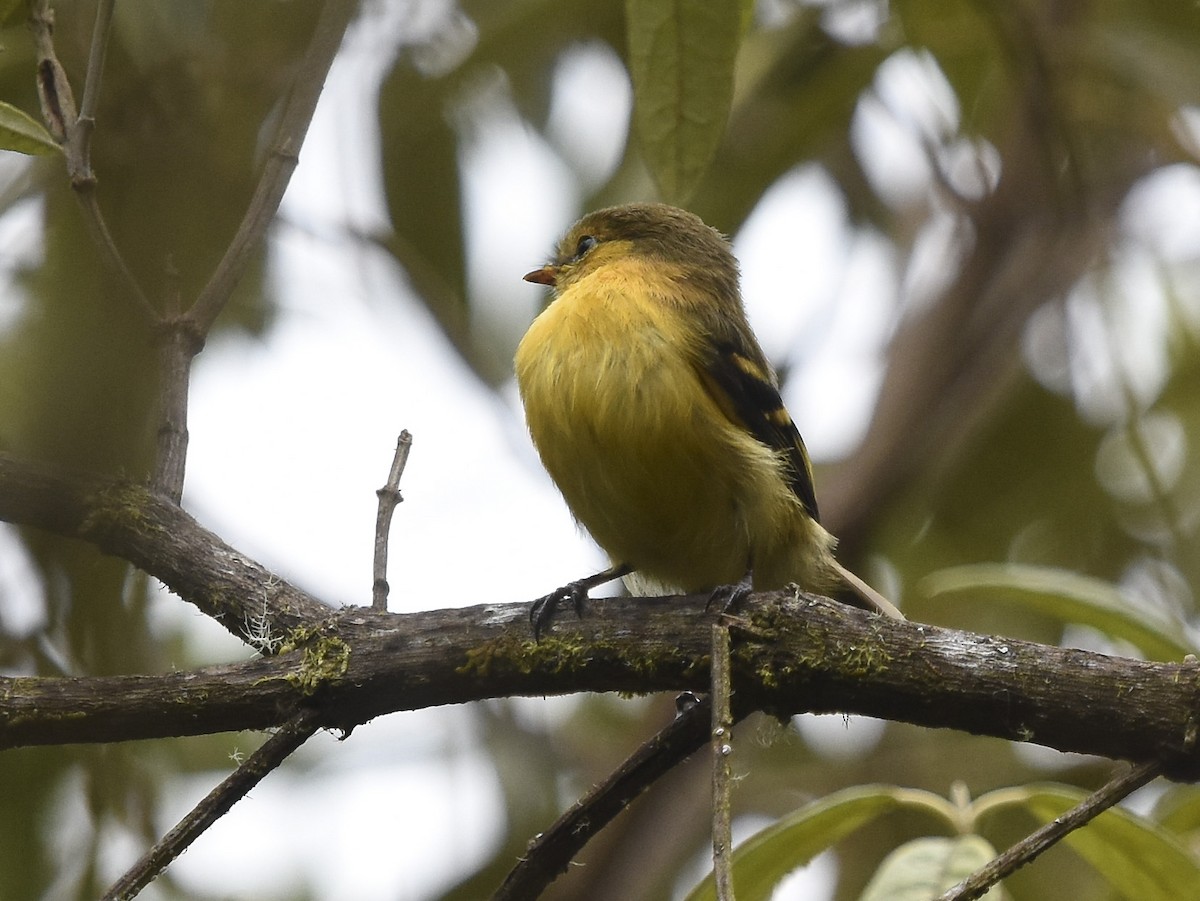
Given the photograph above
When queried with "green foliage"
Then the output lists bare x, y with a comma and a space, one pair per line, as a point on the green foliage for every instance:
926, 867
1135, 856
12, 11
1179, 811
760, 862
681, 55
1138, 858
1068, 597
22, 133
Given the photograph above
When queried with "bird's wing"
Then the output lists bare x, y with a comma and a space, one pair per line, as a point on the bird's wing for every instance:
745, 392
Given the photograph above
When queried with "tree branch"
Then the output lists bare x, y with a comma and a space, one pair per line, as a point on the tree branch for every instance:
74, 131
801, 655
791, 653
127, 521
281, 163
550, 852
184, 334
721, 746
214, 806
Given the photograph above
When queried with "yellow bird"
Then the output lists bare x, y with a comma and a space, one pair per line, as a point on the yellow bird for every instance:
658, 416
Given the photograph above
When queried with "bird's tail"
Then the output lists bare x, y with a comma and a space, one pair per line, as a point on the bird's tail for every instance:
871, 598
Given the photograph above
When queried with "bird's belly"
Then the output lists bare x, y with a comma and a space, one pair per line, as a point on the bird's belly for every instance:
649, 464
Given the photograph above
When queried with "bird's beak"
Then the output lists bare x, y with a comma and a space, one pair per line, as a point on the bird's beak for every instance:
544, 276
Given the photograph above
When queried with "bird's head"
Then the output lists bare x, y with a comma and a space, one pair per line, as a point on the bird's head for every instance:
653, 231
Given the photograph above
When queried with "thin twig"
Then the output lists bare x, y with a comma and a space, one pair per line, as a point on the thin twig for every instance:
79, 161
183, 335
218, 802
550, 852
281, 162
176, 350
74, 131
97, 227
81, 137
977, 884
54, 89
178, 344
389, 497
722, 749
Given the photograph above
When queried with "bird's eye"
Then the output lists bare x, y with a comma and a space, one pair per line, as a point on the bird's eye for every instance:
586, 243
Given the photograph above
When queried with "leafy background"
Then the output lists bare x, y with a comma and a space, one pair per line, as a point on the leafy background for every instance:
999, 360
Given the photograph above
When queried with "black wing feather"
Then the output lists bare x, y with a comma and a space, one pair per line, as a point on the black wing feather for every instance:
754, 401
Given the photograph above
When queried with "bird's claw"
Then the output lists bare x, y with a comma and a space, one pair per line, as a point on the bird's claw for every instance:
727, 598
544, 608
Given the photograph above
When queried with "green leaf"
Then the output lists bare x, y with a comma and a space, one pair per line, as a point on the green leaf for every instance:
926, 867
760, 862
681, 60
24, 134
1138, 858
1179, 810
1067, 596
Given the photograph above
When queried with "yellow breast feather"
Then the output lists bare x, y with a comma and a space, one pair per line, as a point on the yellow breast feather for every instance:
646, 457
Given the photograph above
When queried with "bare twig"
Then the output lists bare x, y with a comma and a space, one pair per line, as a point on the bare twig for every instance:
722, 749
215, 805
178, 344
977, 884
81, 137
281, 162
55, 96
171, 459
183, 335
389, 498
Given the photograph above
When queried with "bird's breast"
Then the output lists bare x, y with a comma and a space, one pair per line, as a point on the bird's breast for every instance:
642, 454
603, 361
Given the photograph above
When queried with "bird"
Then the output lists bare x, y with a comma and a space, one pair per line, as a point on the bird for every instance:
658, 416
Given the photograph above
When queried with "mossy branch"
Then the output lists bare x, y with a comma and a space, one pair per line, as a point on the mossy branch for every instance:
791, 653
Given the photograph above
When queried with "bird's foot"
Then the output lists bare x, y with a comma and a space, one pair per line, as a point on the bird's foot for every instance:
727, 598
544, 608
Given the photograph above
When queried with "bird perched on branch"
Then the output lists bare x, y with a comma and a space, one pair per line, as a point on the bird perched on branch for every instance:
658, 416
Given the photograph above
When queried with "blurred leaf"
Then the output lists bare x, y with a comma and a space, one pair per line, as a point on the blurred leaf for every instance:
926, 867
424, 193
969, 48
525, 40
1141, 860
794, 104
761, 861
12, 12
681, 59
1067, 596
24, 134
426, 111
1179, 809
